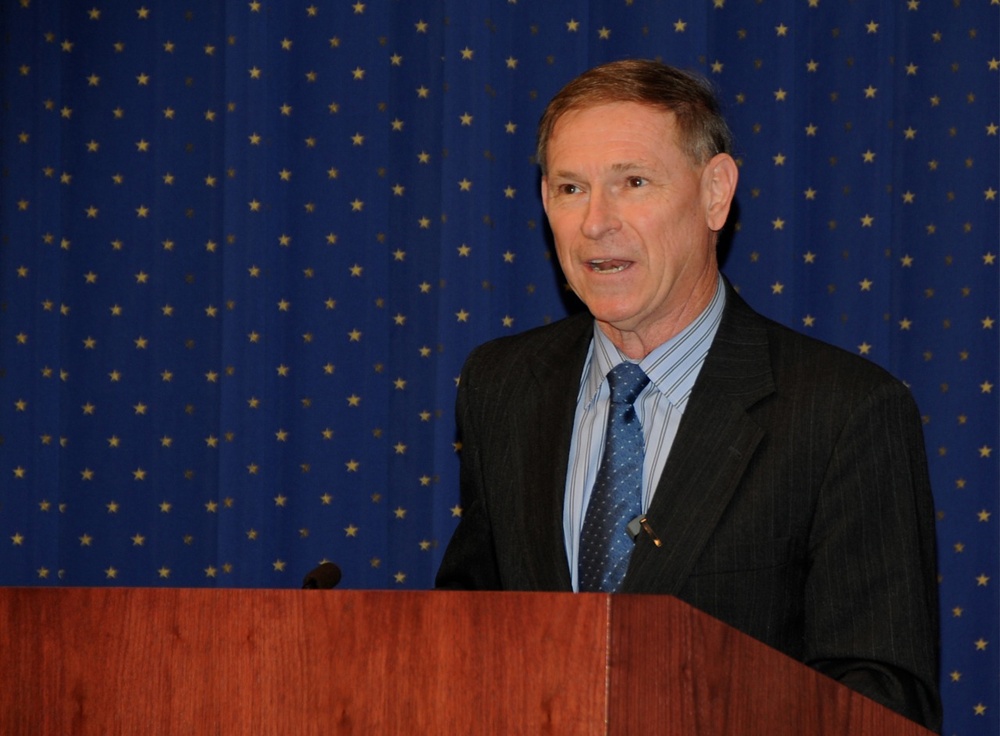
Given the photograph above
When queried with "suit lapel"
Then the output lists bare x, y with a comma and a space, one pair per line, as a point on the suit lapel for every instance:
714, 444
545, 435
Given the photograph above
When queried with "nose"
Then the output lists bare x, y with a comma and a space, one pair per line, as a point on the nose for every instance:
601, 217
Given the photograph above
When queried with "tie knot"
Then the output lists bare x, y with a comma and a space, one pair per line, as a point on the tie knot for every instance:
626, 380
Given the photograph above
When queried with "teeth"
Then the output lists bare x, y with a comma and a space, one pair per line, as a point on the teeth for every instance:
597, 263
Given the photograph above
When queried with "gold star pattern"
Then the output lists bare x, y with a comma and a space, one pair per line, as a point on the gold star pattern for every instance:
217, 274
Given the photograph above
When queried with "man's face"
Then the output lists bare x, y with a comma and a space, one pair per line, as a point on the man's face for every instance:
634, 219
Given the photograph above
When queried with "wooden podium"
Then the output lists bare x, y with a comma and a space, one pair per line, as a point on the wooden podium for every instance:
176, 661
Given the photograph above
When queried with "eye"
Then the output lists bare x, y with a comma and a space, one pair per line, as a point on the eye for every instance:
634, 182
568, 189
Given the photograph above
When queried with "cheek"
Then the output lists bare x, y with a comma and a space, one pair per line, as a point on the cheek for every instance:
562, 251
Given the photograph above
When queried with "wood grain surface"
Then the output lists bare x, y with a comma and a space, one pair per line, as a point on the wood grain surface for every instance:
179, 661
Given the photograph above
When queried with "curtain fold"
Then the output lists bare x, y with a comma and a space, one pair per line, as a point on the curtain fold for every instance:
246, 246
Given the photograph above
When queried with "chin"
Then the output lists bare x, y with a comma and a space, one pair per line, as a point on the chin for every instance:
617, 318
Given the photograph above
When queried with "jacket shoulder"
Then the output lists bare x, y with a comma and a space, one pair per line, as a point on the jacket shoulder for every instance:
548, 345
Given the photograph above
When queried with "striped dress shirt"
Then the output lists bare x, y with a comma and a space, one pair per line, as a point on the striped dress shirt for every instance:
672, 368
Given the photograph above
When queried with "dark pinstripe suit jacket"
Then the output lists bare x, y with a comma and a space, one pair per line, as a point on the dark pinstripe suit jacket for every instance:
795, 504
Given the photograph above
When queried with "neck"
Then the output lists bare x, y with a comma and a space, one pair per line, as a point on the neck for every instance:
636, 343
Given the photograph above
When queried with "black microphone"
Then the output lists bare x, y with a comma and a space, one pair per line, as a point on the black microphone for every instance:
327, 575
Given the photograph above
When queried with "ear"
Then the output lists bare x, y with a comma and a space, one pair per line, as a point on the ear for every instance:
718, 186
545, 194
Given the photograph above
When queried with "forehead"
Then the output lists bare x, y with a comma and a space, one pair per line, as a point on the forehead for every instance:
613, 129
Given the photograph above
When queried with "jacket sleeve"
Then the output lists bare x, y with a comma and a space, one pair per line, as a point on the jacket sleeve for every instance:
470, 561
871, 601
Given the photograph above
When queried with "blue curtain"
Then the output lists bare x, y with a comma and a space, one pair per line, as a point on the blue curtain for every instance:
247, 245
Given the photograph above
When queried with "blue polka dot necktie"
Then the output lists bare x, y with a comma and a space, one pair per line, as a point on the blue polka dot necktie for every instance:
605, 545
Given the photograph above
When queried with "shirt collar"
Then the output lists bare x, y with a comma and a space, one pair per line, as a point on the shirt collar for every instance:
673, 366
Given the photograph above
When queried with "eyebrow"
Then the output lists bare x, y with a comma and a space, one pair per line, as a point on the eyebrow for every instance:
618, 168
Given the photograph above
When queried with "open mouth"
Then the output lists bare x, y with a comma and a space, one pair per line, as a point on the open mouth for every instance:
608, 265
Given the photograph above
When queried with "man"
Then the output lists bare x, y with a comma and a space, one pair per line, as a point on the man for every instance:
777, 483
